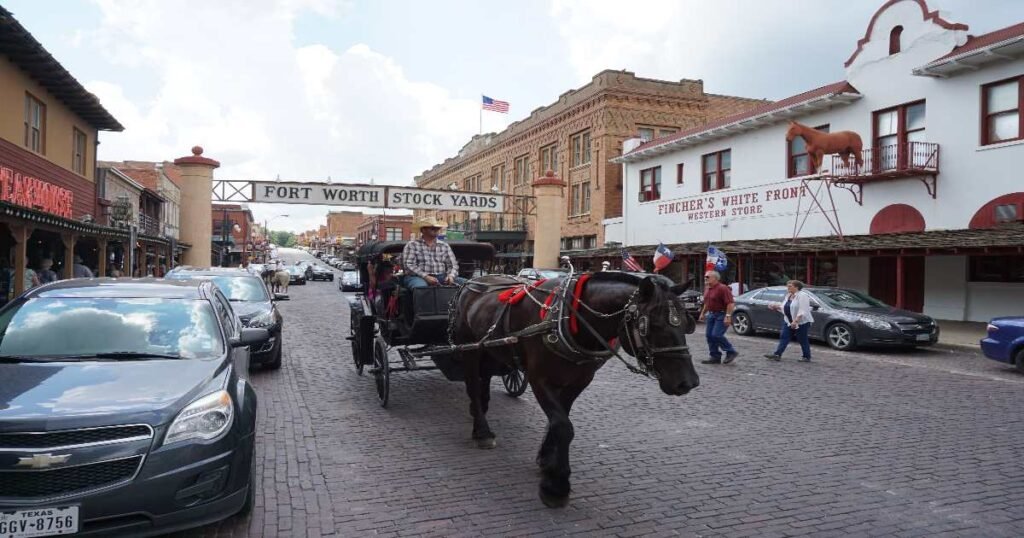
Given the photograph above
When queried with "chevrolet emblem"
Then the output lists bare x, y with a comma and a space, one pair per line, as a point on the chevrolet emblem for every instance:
42, 461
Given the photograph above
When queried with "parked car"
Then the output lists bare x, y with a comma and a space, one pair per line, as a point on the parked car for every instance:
322, 273
843, 318
1005, 341
255, 305
349, 280
531, 273
693, 300
138, 419
296, 275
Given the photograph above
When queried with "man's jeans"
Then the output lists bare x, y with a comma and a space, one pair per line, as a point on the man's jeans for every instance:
801, 333
413, 282
714, 330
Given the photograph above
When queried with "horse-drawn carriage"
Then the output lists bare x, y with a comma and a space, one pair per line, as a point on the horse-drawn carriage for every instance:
387, 316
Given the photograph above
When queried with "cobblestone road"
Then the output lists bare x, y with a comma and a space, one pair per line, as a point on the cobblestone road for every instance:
897, 444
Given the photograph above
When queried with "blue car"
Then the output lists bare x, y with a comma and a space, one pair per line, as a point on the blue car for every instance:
1005, 341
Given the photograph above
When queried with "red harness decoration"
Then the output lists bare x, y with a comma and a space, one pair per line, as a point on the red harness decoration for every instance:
577, 292
518, 293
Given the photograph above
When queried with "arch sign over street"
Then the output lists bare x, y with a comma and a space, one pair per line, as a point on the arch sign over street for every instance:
279, 192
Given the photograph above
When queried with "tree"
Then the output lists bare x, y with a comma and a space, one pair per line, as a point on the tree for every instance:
283, 239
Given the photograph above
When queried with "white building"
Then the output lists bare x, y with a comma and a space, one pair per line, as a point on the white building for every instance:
931, 221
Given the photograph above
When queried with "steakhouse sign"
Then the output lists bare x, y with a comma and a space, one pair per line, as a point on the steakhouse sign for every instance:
27, 191
374, 196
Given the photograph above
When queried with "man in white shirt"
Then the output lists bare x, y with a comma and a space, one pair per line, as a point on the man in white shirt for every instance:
738, 288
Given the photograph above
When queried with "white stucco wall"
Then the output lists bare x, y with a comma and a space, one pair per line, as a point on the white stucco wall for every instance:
945, 295
969, 177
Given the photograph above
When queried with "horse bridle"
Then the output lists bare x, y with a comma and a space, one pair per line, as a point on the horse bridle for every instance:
635, 327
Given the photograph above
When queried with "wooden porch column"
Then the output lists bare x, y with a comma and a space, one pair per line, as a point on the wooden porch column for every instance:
900, 288
69, 255
739, 273
686, 269
810, 270
20, 233
102, 252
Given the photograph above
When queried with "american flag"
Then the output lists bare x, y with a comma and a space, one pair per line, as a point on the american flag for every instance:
494, 105
630, 262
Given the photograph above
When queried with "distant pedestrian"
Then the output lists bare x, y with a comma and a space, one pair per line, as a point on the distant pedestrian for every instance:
717, 315
606, 266
79, 270
31, 279
796, 320
46, 274
738, 288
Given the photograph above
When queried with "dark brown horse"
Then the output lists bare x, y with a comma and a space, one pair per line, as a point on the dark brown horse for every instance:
643, 312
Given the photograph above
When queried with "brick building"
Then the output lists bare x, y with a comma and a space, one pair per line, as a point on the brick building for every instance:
576, 137
384, 228
342, 224
232, 226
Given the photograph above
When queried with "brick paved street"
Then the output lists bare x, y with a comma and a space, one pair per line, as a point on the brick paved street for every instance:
896, 444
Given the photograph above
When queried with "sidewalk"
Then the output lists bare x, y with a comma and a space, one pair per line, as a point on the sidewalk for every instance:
961, 333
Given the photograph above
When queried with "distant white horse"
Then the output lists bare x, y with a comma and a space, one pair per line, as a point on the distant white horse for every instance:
280, 280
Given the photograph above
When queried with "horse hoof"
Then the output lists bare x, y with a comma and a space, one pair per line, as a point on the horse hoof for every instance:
486, 444
553, 501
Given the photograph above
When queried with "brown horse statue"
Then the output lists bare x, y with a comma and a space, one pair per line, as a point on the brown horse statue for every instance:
819, 144
568, 328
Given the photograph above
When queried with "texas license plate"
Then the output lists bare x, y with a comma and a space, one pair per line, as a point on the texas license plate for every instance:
38, 522
924, 337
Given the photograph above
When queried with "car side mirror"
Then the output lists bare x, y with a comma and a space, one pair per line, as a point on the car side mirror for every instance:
815, 306
281, 297
250, 336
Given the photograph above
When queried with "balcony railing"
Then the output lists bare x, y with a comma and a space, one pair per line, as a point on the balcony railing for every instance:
496, 223
150, 226
908, 159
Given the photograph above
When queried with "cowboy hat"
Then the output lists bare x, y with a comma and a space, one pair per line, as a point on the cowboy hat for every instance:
427, 222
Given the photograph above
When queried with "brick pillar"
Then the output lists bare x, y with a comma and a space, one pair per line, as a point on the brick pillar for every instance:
547, 237
196, 208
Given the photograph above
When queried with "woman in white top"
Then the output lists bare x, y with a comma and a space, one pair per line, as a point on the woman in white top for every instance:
796, 320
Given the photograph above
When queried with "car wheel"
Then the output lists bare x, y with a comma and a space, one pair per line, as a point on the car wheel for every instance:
275, 363
742, 325
840, 336
1019, 360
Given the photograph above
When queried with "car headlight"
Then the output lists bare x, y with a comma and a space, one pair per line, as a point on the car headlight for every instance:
259, 321
877, 324
206, 418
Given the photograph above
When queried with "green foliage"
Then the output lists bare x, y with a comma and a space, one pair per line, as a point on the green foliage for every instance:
283, 239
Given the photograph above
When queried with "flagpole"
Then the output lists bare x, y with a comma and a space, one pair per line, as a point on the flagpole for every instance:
481, 111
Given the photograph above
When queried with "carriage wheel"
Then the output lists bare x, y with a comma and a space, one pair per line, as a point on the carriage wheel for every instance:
515, 383
381, 371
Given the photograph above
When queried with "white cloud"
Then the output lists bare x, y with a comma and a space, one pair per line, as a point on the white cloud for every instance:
230, 77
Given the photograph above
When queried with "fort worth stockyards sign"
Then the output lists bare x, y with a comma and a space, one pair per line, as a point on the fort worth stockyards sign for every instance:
374, 196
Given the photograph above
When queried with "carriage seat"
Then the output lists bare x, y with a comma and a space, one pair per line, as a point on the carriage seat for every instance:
424, 312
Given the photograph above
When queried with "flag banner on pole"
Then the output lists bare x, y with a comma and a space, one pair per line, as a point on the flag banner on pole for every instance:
630, 263
662, 257
495, 105
716, 260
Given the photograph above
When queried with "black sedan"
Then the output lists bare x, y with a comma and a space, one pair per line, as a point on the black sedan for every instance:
843, 318
126, 409
296, 275
320, 272
250, 299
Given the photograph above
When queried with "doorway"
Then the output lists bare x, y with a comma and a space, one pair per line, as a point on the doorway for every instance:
882, 281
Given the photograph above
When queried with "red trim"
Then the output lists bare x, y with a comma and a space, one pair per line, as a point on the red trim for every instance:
985, 217
901, 290
897, 218
985, 115
895, 37
926, 15
573, 327
547, 304
984, 40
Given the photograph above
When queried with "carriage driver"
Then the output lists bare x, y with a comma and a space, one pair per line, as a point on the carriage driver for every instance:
428, 261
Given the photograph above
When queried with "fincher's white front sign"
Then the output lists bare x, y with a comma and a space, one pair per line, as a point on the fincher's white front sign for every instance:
318, 194
374, 196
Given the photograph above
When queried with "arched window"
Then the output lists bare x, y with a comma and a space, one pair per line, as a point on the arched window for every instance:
894, 39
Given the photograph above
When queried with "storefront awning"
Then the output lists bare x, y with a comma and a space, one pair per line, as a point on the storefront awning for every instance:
992, 240
10, 211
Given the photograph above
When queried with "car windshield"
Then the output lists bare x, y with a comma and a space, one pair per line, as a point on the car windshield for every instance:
236, 288
294, 270
848, 299
62, 327
550, 274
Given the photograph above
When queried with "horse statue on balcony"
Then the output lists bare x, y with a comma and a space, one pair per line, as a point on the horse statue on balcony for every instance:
846, 144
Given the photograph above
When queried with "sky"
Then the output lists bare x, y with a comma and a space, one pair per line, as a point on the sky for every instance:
381, 90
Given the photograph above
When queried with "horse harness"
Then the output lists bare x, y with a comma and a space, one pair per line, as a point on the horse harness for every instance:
560, 319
